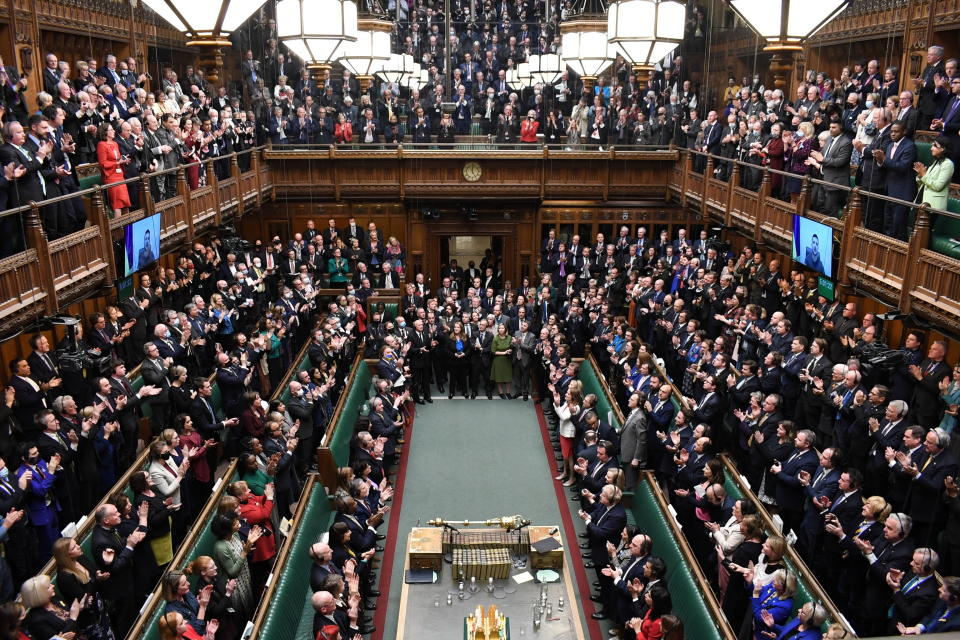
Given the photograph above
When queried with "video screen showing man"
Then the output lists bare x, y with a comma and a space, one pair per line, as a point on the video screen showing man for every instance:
812, 257
813, 245
147, 255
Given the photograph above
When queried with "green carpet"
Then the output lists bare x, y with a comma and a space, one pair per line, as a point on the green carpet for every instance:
472, 459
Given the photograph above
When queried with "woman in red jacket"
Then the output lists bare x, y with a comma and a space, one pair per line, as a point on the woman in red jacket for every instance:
343, 132
650, 627
257, 511
528, 128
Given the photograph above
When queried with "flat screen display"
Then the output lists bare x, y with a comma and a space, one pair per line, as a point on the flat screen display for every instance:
813, 245
141, 244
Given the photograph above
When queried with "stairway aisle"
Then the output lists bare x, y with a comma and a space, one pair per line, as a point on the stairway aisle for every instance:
470, 459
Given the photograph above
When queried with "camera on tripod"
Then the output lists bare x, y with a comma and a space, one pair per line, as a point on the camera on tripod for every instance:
72, 358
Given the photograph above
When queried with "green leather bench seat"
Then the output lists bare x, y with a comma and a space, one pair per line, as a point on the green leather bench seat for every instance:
946, 232
592, 384
688, 604
290, 615
357, 396
202, 546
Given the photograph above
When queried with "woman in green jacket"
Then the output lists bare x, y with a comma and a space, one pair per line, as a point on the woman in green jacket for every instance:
935, 179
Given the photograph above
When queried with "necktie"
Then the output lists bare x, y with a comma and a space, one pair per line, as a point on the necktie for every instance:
820, 477
927, 463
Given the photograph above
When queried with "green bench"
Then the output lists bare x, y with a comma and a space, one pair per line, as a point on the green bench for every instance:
594, 383
353, 404
285, 612
945, 234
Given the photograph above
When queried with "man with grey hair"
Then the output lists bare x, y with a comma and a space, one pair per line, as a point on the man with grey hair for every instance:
932, 97
927, 476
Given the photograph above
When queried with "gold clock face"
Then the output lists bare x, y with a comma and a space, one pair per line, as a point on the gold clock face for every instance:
472, 171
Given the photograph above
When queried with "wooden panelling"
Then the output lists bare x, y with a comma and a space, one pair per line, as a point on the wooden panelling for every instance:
528, 175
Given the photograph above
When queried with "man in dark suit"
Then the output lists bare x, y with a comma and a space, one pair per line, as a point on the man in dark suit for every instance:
909, 115
300, 407
232, 380
31, 396
115, 556
886, 433
835, 165
368, 130
871, 175
945, 616
914, 590
823, 482
912, 454
481, 357
949, 123
709, 409
924, 503
931, 95
204, 416
790, 491
594, 476
926, 390
604, 524
153, 370
897, 160
421, 361
892, 550
614, 593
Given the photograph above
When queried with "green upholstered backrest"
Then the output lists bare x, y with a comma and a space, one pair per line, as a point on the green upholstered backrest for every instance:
202, 546
303, 365
291, 598
356, 397
945, 230
588, 375
924, 154
392, 308
688, 604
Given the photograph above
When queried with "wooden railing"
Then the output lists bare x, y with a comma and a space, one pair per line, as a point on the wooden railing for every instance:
907, 275
51, 274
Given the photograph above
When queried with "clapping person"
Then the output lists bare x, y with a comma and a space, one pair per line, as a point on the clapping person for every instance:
48, 617
78, 578
230, 553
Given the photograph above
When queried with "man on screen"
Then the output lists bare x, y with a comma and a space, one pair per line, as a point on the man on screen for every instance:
146, 256
812, 259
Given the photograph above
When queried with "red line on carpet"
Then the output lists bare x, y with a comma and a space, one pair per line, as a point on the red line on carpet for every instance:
390, 549
570, 533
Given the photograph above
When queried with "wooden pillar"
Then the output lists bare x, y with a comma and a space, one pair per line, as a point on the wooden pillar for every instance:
106, 240
146, 197
686, 159
707, 172
212, 181
804, 196
327, 468
731, 182
917, 242
255, 165
761, 204
37, 239
190, 204
851, 222
235, 171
